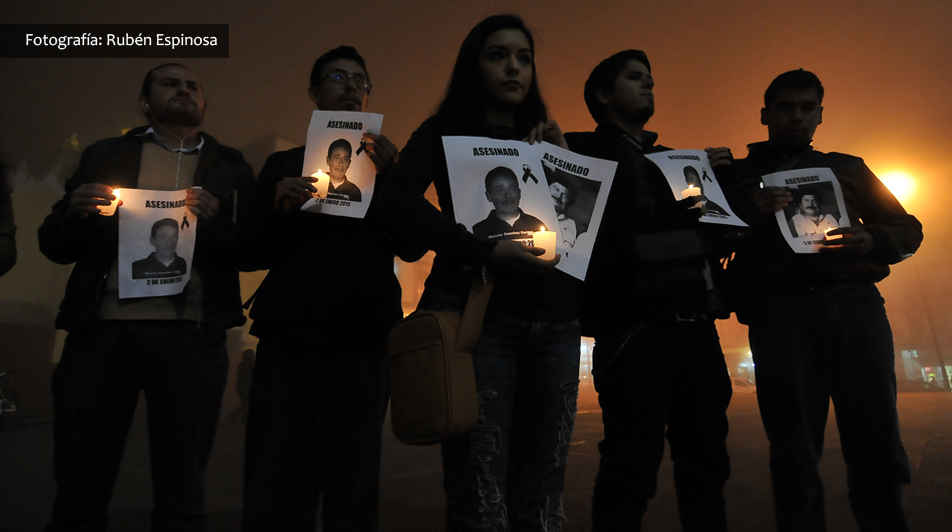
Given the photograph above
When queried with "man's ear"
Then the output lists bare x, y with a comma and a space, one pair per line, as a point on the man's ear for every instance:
314, 94
603, 96
144, 105
820, 116
763, 116
488, 197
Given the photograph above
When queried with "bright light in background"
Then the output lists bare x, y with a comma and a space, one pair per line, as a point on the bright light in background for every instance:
901, 184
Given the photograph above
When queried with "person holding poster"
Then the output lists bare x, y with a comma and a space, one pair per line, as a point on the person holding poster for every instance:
172, 347
508, 472
818, 328
657, 361
319, 390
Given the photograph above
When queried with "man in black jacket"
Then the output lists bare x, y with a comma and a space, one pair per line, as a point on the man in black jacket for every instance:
818, 328
171, 347
657, 360
319, 389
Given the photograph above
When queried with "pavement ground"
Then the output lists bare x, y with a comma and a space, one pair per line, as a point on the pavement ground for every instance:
411, 490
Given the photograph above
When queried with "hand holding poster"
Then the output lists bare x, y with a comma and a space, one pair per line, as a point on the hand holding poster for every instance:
511, 190
337, 149
817, 207
689, 173
156, 243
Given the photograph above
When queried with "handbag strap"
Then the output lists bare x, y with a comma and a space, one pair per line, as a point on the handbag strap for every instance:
471, 324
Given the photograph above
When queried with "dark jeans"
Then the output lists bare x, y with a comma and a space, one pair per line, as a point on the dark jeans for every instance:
655, 375
823, 343
314, 427
96, 386
507, 473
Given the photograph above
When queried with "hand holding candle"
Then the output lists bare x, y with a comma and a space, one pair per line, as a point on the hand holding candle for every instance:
323, 180
545, 239
109, 210
828, 236
691, 192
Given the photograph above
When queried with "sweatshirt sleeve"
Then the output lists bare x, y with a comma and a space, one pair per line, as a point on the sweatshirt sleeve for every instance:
405, 208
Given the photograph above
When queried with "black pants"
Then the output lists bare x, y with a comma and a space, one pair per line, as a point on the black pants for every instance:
182, 368
670, 374
823, 343
314, 427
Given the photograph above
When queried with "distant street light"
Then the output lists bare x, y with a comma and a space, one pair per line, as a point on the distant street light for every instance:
901, 184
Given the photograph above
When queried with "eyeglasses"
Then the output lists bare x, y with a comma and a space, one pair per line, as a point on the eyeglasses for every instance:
339, 77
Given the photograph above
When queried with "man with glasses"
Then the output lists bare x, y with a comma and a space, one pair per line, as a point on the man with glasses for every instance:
319, 388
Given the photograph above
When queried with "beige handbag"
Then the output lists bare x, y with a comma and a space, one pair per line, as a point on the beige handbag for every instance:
432, 384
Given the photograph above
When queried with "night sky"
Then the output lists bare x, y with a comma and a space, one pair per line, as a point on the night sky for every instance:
886, 66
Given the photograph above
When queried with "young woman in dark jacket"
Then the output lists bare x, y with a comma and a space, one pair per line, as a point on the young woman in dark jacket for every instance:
508, 471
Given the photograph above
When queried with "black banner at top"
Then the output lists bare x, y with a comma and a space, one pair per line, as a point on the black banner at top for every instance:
113, 40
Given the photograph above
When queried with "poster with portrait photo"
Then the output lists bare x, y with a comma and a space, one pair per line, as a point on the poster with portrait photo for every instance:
578, 187
817, 207
156, 243
500, 192
691, 169
336, 146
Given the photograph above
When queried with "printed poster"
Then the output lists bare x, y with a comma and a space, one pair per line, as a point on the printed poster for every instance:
156, 243
817, 207
336, 148
691, 169
509, 190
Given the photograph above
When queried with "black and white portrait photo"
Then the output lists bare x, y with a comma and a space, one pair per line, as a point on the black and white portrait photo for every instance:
164, 261
574, 200
693, 179
809, 214
338, 162
506, 220
336, 147
510, 190
817, 207
156, 243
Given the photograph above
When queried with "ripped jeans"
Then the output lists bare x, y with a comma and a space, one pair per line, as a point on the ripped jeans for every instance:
507, 473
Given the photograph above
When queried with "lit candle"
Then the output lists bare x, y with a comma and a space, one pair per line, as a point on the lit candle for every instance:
690, 192
323, 180
545, 239
828, 236
109, 210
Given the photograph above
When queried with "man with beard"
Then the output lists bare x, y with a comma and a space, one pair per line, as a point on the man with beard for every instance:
338, 161
172, 347
319, 387
818, 328
657, 361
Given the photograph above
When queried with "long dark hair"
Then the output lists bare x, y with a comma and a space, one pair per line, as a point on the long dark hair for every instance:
463, 108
